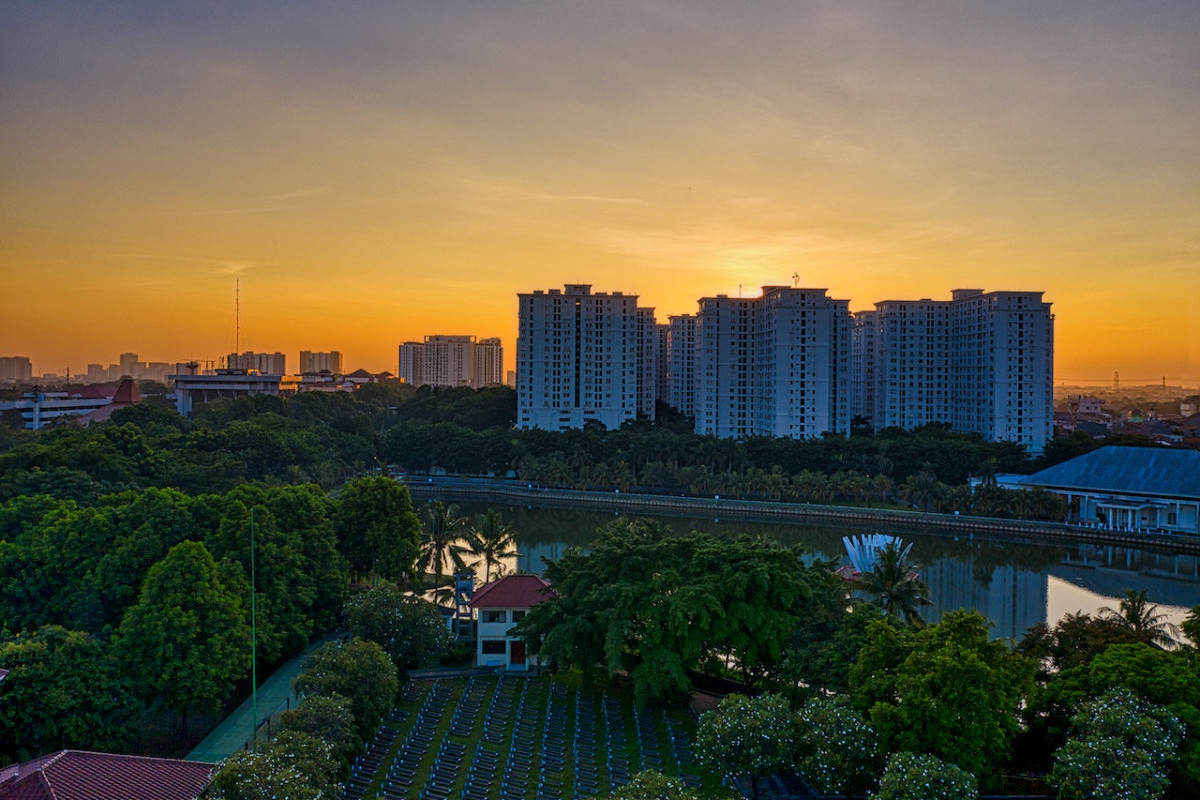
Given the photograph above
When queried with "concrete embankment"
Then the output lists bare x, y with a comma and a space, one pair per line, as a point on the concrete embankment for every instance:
1011, 530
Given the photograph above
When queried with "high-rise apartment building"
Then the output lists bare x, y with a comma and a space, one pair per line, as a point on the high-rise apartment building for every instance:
449, 360
681, 363
489, 363
313, 362
411, 368
452, 361
131, 366
776, 365
981, 362
583, 356
15, 369
662, 383
263, 363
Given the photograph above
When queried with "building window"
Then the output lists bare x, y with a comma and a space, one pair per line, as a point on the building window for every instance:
493, 647
517, 616
493, 615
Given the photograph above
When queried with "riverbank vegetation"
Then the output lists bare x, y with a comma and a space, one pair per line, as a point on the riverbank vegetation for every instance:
327, 439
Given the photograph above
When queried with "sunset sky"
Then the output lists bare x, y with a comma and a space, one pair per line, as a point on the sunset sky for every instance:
374, 172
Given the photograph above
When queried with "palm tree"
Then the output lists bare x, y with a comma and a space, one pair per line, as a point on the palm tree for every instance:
443, 529
921, 489
492, 539
894, 585
1137, 614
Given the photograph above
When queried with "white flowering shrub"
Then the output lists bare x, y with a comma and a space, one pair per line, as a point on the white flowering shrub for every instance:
910, 776
1119, 748
651, 785
837, 749
751, 736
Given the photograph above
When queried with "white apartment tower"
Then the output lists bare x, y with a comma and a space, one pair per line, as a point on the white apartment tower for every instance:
449, 360
313, 362
681, 363
981, 362
489, 363
583, 356
411, 367
776, 365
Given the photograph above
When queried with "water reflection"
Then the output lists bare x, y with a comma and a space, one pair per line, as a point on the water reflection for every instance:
1016, 585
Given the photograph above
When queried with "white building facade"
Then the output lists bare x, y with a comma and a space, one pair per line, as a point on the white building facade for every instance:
776, 365
681, 363
583, 357
980, 362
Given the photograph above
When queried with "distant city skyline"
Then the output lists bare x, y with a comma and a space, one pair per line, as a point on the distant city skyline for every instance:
374, 173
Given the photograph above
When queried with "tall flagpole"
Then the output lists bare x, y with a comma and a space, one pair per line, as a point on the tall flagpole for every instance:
253, 645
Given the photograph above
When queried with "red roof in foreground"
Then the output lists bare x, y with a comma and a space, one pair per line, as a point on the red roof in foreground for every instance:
81, 775
513, 591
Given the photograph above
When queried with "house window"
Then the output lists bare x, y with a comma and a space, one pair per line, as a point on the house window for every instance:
493, 647
493, 615
517, 616
1171, 518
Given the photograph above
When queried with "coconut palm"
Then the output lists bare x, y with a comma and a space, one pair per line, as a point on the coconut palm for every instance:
443, 531
1136, 613
921, 489
492, 540
894, 585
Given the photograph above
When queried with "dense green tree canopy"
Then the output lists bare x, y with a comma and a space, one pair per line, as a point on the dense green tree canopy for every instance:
63, 690
377, 529
944, 690
358, 670
411, 630
656, 605
187, 638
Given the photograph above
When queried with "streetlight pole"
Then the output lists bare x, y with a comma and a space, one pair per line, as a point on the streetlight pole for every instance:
253, 645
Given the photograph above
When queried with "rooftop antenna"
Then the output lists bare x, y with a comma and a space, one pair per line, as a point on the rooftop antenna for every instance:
795, 280
237, 315
1116, 380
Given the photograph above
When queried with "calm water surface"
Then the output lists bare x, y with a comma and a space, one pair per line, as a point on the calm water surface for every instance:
1014, 585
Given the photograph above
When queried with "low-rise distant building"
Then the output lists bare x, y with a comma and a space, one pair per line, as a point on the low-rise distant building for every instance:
192, 387
1128, 488
39, 408
500, 605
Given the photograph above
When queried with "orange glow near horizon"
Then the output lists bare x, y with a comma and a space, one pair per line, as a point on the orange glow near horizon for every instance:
378, 176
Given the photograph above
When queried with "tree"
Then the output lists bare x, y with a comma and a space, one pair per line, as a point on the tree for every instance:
328, 718
1137, 614
1191, 626
359, 670
63, 690
1119, 747
651, 785
377, 528
921, 489
493, 540
894, 584
653, 605
911, 776
836, 750
410, 630
945, 690
751, 737
443, 531
187, 639
295, 765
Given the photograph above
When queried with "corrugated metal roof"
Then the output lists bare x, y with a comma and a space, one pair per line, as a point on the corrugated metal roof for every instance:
1144, 471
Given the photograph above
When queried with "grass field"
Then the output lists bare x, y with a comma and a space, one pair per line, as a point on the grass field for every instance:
504, 737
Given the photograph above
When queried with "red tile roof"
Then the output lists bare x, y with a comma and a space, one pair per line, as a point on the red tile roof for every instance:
513, 591
81, 775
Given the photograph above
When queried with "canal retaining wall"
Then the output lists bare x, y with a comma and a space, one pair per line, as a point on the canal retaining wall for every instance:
1014, 530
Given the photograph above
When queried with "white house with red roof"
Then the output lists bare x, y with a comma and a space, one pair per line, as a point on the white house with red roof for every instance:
499, 606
